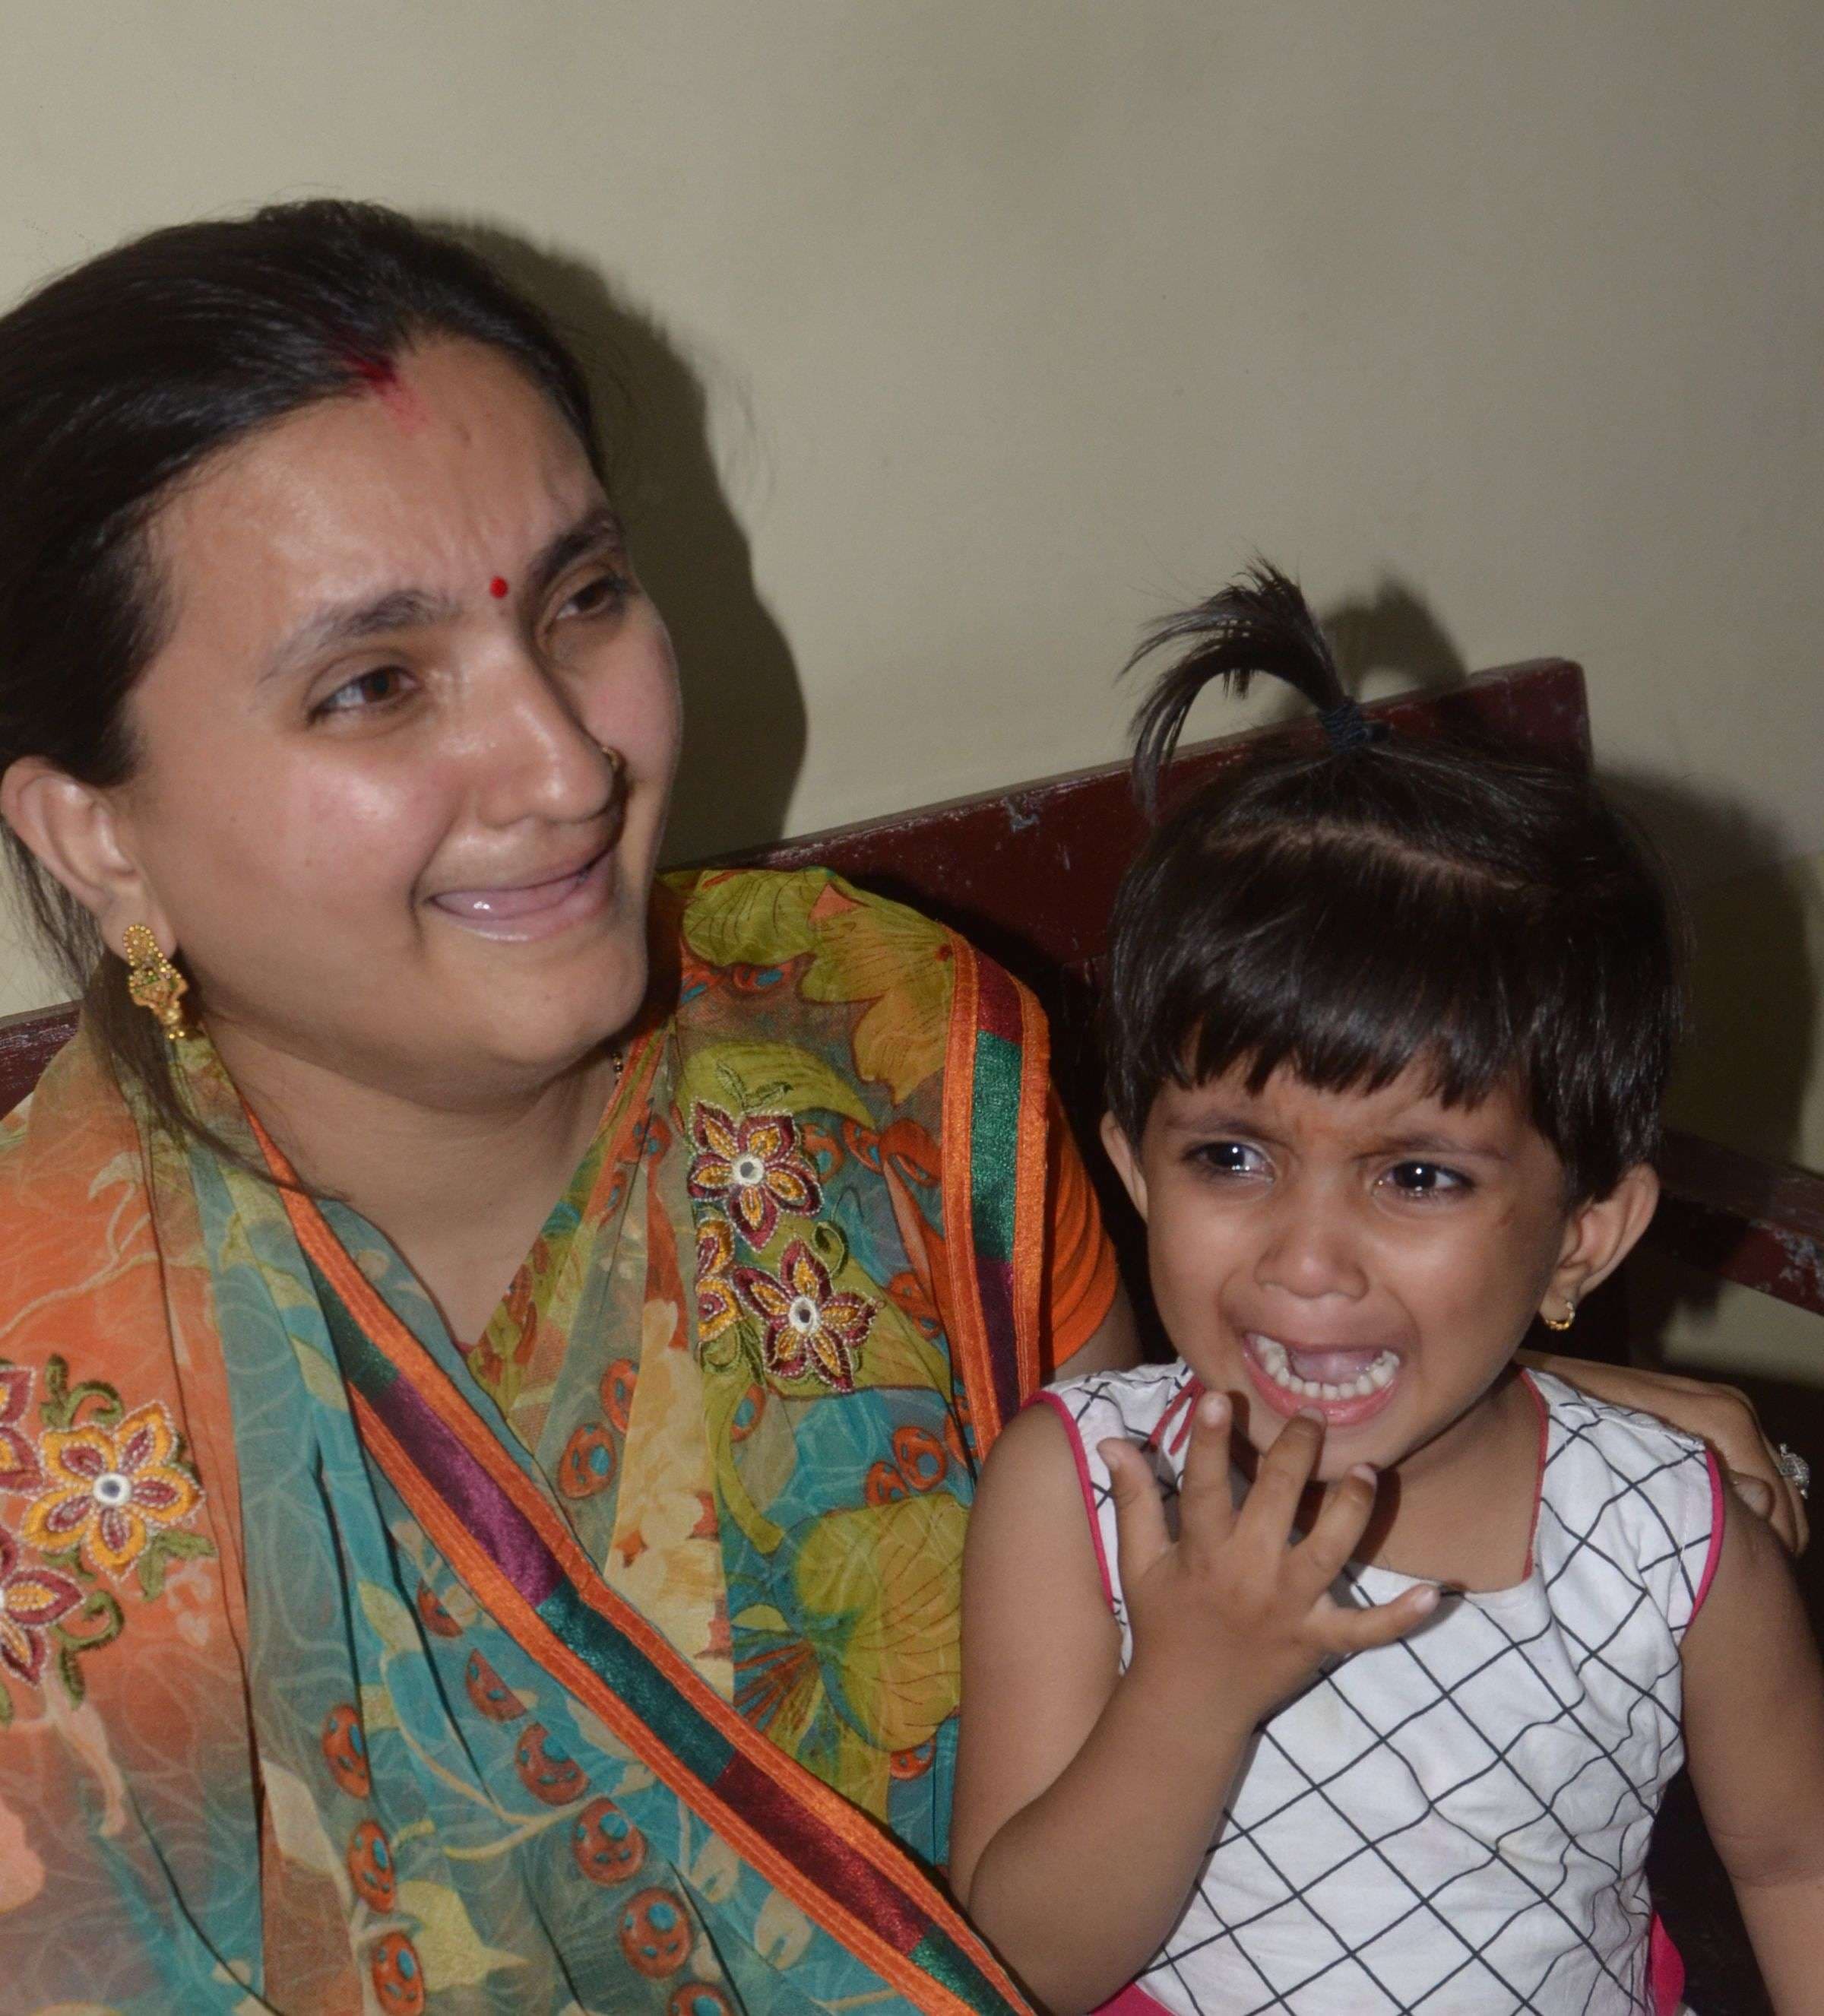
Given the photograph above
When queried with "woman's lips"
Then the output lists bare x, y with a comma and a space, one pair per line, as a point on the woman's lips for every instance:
1344, 1385
533, 909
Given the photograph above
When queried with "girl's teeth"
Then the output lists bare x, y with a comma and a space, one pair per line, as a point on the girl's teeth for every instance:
1277, 1364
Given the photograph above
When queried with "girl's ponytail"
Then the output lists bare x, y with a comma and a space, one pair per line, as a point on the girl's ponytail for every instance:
1260, 623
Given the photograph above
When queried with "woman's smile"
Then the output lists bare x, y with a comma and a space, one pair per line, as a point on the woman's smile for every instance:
515, 913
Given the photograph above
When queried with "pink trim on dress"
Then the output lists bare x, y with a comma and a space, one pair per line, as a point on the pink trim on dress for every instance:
1134, 2000
1186, 1398
1539, 1473
1718, 1517
1083, 1484
1665, 1973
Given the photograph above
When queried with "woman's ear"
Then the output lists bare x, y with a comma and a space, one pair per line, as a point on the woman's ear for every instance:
1600, 1234
75, 830
1121, 1152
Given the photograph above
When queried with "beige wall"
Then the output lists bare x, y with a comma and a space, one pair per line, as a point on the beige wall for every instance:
967, 336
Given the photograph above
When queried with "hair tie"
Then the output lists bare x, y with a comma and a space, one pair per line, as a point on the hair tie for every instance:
1349, 728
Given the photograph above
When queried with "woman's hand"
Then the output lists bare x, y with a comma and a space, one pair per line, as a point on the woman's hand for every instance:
1231, 1611
1724, 1417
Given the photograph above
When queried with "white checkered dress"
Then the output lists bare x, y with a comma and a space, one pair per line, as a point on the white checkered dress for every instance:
1458, 1822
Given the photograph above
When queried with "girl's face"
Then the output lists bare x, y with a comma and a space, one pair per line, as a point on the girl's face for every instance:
405, 755
1376, 1257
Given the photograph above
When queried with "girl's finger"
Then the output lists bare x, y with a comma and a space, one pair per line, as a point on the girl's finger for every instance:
1265, 1519
1337, 1530
1141, 1536
1205, 1507
1342, 1630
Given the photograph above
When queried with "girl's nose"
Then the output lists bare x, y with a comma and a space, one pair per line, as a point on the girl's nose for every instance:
1311, 1251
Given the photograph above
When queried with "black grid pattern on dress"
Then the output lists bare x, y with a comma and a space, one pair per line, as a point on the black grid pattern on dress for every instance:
1458, 1821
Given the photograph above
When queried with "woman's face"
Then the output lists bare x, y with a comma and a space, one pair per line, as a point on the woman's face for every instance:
406, 752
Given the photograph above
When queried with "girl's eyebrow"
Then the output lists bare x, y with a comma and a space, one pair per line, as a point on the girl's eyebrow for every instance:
1221, 1122
1422, 1143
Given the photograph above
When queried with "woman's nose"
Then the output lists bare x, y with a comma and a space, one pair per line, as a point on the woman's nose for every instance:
537, 757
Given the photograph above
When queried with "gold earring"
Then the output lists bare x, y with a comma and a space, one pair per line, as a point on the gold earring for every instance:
153, 983
1563, 1322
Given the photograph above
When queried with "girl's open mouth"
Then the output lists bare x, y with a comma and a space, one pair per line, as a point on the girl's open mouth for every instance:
1344, 1385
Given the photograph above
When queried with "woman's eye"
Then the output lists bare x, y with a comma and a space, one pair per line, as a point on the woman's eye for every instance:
378, 688
1427, 1180
1229, 1158
598, 595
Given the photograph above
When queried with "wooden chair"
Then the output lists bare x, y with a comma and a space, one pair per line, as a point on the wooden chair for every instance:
1028, 873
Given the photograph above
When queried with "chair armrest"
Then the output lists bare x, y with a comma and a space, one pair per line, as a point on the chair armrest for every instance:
1761, 1224
27, 1043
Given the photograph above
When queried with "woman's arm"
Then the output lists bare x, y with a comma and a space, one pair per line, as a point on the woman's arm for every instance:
1721, 1416
1114, 1345
1056, 1749
1754, 1730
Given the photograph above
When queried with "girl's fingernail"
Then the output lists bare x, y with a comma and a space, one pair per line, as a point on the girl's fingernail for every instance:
1310, 1414
1366, 1471
1212, 1410
1426, 1600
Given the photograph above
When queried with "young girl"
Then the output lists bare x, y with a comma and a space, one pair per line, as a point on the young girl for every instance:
1383, 1726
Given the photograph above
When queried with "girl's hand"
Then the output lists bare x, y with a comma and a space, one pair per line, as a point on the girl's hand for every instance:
1231, 1613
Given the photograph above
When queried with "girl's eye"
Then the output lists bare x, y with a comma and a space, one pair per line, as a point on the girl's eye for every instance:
1229, 1158
379, 688
1427, 1180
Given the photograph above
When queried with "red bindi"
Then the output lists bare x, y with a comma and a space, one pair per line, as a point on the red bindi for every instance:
498, 587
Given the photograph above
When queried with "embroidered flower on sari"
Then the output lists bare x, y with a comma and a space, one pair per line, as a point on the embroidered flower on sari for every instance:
810, 1329
31, 1601
753, 1168
716, 1306
110, 1490
18, 1461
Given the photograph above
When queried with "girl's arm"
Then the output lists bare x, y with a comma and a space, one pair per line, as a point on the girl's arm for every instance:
1754, 1729
1087, 1801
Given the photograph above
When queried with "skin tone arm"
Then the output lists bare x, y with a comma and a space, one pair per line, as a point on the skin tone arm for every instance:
1754, 1730
1058, 1747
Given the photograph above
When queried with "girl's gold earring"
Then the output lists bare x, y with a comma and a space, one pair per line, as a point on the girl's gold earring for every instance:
153, 983
1563, 1322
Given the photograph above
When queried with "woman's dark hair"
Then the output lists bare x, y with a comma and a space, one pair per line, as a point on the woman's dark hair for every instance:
1352, 913
118, 381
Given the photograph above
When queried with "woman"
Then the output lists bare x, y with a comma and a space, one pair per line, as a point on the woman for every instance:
371, 1640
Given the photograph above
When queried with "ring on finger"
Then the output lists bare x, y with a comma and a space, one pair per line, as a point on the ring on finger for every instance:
1794, 1469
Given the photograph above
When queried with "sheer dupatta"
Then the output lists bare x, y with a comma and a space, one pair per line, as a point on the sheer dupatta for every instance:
532, 1675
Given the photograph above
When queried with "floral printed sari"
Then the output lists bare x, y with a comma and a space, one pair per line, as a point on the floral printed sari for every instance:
609, 1663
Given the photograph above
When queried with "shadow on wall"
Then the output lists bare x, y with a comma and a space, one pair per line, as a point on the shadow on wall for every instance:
1392, 631
744, 731
1751, 1048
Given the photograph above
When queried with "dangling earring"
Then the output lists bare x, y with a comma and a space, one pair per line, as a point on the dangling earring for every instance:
1563, 1322
153, 983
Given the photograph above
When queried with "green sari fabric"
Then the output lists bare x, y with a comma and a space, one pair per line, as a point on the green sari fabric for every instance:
606, 1662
